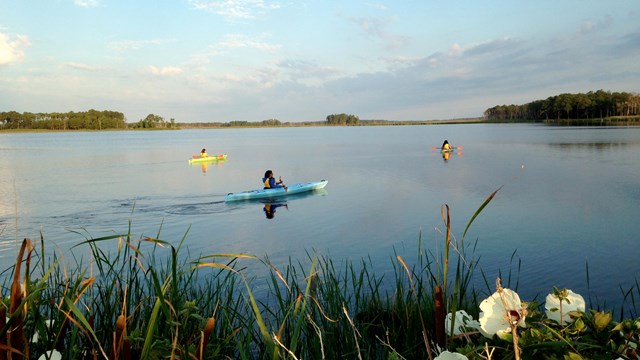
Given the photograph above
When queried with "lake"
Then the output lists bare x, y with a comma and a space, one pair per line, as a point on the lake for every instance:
569, 198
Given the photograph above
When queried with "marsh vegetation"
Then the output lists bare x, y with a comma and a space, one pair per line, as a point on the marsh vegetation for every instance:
151, 299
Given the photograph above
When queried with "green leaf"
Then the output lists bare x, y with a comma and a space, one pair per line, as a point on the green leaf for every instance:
572, 356
485, 203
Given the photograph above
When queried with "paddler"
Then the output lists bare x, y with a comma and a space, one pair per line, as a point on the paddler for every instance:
270, 182
203, 153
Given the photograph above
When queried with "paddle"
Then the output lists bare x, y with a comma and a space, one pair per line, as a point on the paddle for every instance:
452, 148
281, 183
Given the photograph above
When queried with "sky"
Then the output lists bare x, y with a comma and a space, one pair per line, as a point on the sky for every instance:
253, 60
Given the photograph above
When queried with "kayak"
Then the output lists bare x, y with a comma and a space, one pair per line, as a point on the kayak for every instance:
268, 193
448, 150
197, 159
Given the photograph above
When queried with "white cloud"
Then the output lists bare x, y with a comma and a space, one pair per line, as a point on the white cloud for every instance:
79, 66
377, 28
591, 26
235, 41
302, 69
235, 9
378, 6
126, 45
455, 50
87, 3
12, 51
165, 71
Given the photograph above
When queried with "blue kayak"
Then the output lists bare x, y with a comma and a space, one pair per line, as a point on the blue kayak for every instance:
268, 193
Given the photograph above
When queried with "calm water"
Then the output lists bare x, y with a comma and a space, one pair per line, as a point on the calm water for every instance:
569, 198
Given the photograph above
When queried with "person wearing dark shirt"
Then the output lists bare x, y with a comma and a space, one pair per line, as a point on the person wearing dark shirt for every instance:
270, 182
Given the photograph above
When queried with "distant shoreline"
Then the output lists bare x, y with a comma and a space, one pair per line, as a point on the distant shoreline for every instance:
219, 125
632, 121
324, 123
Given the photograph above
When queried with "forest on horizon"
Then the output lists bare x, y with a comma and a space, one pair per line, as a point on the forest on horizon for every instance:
592, 108
591, 105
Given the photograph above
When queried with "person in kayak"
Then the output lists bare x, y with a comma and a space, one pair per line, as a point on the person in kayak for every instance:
270, 182
446, 146
203, 153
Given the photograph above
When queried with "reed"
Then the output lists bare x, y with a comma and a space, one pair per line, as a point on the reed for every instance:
150, 299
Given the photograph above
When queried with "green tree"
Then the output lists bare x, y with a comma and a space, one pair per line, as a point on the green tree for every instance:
342, 119
152, 121
271, 122
599, 104
563, 105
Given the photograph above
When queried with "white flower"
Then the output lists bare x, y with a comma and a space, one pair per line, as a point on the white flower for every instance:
52, 355
34, 338
462, 322
446, 355
500, 311
571, 302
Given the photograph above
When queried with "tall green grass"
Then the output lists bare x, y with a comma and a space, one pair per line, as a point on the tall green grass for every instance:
149, 299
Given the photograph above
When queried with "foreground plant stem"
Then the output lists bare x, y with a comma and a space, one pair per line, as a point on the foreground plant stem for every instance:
510, 316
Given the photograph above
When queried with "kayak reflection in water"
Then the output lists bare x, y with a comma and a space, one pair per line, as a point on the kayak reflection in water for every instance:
446, 155
270, 209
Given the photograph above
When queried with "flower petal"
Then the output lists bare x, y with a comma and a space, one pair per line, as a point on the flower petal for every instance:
498, 310
52, 354
573, 302
461, 323
446, 355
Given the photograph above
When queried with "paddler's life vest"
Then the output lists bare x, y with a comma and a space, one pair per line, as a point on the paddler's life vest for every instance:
266, 183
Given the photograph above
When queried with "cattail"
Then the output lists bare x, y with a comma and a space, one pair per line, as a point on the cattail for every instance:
126, 349
121, 328
16, 337
91, 319
313, 285
440, 322
3, 337
206, 334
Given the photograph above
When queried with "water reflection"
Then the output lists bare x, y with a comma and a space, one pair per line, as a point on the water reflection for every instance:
204, 166
270, 208
269, 205
599, 146
447, 154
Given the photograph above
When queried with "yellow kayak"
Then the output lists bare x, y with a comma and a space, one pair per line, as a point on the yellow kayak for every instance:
198, 159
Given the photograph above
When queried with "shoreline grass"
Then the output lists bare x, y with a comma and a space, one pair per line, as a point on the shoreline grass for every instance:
150, 300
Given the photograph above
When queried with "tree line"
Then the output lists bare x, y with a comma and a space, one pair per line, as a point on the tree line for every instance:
82, 120
592, 105
92, 119
593, 108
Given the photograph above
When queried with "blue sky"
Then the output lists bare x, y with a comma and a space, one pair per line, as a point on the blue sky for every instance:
252, 60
